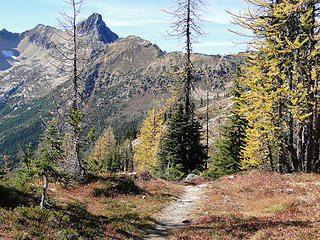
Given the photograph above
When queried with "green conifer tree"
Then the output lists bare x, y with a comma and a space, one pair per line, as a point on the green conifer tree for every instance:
181, 151
50, 151
226, 160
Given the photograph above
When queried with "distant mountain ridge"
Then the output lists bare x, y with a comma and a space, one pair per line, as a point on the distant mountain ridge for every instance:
93, 28
121, 79
30, 51
8, 41
98, 28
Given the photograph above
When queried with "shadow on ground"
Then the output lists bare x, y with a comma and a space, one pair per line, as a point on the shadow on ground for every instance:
11, 198
239, 227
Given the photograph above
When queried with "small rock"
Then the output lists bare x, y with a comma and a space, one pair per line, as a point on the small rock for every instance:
25, 236
191, 177
231, 177
206, 213
289, 190
74, 237
184, 201
186, 221
53, 220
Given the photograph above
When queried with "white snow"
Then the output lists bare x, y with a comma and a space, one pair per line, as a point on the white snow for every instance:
7, 53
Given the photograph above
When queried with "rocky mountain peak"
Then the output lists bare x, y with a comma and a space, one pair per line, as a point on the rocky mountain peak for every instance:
6, 35
39, 29
4, 31
40, 35
95, 17
94, 25
8, 42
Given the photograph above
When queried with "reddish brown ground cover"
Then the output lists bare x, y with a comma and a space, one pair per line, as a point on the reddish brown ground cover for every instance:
258, 205
114, 207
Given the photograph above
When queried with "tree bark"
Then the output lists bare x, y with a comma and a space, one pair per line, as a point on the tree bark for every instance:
188, 79
76, 128
311, 84
270, 158
207, 122
44, 191
291, 150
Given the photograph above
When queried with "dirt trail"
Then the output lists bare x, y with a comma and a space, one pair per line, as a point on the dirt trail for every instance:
177, 211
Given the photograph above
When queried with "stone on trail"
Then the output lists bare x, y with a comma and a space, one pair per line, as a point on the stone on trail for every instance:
191, 177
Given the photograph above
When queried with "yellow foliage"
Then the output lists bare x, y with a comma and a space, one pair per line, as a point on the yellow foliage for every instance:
280, 82
145, 151
104, 145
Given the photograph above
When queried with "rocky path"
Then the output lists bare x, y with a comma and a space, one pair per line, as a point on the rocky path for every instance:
178, 211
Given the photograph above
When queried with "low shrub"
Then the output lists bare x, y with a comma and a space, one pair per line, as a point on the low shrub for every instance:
175, 173
144, 175
11, 197
28, 222
116, 185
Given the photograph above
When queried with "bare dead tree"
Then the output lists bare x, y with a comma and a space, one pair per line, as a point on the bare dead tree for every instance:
68, 52
186, 24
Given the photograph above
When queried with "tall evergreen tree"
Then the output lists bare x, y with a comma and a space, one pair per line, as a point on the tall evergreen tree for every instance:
181, 151
186, 24
227, 157
126, 152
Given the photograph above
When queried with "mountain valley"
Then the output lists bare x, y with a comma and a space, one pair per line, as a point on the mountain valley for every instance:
121, 79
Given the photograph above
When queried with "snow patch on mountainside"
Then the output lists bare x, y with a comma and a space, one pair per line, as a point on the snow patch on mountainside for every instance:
7, 53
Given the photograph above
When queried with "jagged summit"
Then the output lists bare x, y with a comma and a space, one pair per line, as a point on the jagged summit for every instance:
95, 25
5, 34
95, 17
8, 42
5, 31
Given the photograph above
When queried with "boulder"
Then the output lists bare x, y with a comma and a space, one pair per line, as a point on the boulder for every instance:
191, 178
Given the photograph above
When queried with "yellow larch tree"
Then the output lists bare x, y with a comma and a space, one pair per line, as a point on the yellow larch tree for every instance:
281, 104
146, 148
104, 146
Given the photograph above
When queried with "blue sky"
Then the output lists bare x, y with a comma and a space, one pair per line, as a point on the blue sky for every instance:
143, 18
